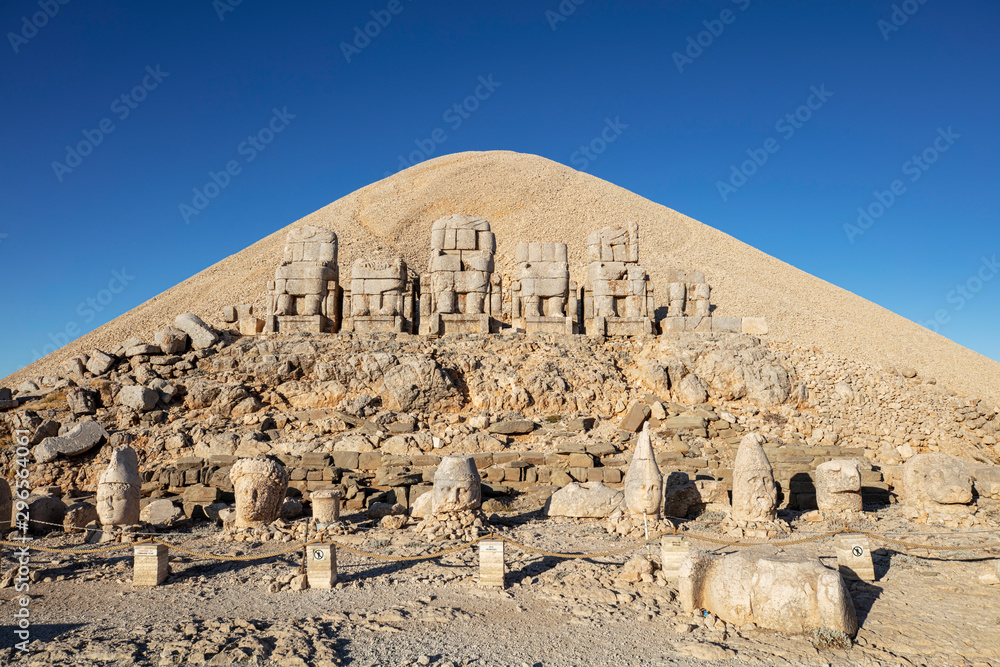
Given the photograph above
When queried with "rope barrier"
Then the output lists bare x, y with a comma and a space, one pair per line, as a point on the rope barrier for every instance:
519, 545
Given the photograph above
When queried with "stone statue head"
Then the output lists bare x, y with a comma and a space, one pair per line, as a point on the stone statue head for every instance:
260, 486
457, 485
118, 489
755, 497
643, 481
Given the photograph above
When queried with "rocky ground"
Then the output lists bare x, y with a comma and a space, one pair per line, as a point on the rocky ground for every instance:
925, 608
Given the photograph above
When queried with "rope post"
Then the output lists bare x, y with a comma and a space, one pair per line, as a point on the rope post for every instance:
491, 566
673, 549
150, 564
321, 568
854, 557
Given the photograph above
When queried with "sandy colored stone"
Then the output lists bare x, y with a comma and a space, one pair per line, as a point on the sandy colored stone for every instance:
118, 489
260, 486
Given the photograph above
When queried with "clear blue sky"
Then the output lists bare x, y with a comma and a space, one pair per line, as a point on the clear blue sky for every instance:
182, 85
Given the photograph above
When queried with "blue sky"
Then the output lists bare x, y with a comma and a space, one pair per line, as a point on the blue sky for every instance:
772, 121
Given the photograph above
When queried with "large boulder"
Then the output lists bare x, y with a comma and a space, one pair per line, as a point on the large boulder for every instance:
161, 512
838, 486
45, 513
81, 438
589, 500
201, 335
782, 592
138, 398
418, 384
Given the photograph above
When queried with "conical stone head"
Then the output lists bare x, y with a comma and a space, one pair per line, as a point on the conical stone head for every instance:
755, 497
457, 485
644, 481
118, 489
123, 468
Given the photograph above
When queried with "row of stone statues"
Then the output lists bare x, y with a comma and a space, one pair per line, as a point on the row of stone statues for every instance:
461, 291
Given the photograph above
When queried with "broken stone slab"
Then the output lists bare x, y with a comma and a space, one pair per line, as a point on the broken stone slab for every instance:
142, 349
100, 362
635, 417
81, 438
589, 500
161, 512
137, 397
683, 422
513, 427
202, 336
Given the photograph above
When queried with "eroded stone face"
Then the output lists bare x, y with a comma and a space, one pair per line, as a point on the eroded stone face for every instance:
643, 481
755, 497
457, 485
260, 486
787, 593
936, 487
118, 489
838, 487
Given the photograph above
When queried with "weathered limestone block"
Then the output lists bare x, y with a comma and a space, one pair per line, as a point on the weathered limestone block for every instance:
137, 397
171, 340
460, 293
201, 335
589, 500
688, 294
80, 401
542, 297
838, 487
937, 488
161, 512
100, 363
790, 594
260, 486
618, 295
305, 293
118, 489
381, 297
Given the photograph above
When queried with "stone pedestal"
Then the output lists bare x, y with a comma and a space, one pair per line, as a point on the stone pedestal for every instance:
437, 324
322, 565
854, 557
150, 565
326, 506
491, 565
673, 549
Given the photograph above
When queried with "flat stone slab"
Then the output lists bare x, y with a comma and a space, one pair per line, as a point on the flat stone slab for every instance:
513, 427
82, 438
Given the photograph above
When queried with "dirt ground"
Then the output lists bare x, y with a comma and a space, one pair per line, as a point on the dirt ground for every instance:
84, 610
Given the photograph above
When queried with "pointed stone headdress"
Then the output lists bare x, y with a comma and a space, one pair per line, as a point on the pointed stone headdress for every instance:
643, 481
